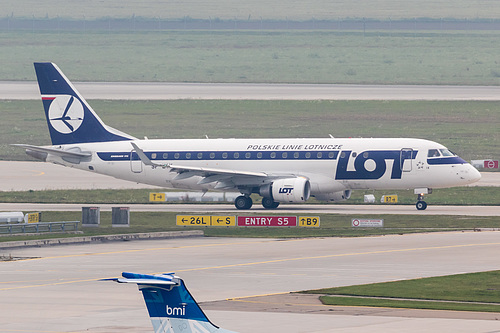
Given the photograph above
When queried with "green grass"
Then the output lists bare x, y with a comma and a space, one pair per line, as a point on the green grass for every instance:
332, 225
255, 9
468, 128
259, 56
454, 292
388, 303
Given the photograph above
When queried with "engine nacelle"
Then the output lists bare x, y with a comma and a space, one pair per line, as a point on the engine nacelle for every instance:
288, 190
335, 196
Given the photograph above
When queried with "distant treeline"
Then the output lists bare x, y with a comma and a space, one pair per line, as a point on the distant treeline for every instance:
10, 23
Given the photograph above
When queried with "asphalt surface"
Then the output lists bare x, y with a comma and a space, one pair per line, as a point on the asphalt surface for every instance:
56, 289
229, 209
19, 90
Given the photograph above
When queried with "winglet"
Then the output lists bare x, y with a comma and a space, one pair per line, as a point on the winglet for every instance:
171, 307
145, 159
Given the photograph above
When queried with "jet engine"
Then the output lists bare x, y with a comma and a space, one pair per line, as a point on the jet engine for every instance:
335, 196
287, 190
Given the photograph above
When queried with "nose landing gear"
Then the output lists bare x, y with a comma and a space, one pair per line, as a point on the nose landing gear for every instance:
421, 204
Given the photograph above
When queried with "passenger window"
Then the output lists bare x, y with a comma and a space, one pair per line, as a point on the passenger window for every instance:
200, 156
236, 155
247, 155
433, 153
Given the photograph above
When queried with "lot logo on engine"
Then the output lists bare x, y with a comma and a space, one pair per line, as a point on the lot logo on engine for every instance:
286, 190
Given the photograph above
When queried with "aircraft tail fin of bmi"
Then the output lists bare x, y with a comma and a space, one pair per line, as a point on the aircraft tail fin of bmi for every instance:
171, 307
69, 117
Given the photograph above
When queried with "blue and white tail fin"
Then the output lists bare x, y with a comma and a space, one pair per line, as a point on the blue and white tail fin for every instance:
171, 307
69, 117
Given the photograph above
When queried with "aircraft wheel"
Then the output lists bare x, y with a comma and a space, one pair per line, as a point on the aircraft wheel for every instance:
269, 203
243, 202
421, 205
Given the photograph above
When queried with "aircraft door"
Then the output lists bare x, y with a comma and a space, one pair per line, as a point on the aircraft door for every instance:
405, 159
135, 162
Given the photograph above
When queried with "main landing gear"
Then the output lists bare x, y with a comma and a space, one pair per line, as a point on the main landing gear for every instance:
245, 202
269, 203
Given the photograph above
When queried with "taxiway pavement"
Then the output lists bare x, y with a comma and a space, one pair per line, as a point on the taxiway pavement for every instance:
56, 289
22, 90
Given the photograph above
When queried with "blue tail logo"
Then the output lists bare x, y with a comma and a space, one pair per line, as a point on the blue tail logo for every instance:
65, 113
69, 117
171, 307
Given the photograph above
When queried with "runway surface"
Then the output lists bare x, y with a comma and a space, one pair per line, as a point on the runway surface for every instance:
20, 90
283, 209
58, 291
24, 176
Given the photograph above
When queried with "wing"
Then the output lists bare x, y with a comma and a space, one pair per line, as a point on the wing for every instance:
226, 178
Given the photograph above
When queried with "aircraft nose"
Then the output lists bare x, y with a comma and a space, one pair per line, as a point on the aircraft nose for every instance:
473, 174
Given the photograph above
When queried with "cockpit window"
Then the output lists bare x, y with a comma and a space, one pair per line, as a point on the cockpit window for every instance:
433, 153
446, 152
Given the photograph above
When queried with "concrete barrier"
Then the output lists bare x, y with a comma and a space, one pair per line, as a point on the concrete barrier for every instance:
103, 238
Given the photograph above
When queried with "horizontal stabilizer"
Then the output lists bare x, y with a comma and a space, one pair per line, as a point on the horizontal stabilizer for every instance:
145, 279
55, 151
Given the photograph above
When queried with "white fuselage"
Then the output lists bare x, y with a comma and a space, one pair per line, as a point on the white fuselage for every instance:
330, 164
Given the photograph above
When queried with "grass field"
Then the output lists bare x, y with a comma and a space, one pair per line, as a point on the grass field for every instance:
468, 128
455, 292
464, 58
280, 9
332, 225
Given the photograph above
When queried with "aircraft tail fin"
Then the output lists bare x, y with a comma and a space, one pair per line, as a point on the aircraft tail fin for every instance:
171, 307
69, 117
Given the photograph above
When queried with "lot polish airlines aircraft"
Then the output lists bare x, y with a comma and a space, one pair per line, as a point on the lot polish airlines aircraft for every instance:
280, 170
171, 307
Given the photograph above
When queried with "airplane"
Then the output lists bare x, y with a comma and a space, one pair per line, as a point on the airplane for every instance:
170, 305
288, 170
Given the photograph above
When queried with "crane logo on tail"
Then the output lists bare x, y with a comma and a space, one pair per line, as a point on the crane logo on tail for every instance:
65, 113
